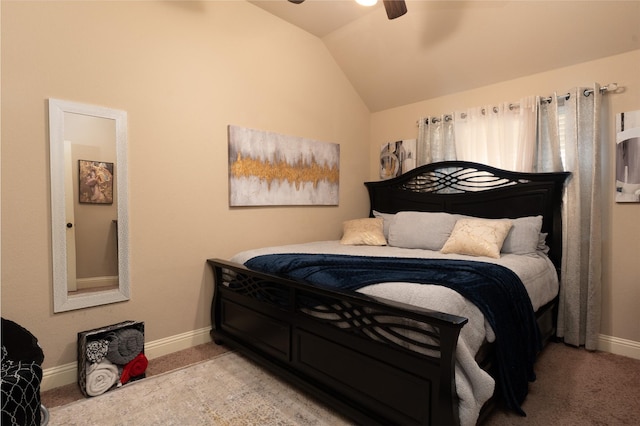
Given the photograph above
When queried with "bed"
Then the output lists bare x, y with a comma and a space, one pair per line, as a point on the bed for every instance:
379, 357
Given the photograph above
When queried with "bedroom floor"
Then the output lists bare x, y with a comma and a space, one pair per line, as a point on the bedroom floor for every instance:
69, 393
574, 386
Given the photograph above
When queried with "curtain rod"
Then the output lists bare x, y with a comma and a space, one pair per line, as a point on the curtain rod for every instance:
611, 87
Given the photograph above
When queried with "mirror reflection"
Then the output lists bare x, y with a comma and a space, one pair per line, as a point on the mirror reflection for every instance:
89, 206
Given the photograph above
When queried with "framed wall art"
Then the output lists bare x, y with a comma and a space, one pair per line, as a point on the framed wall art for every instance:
267, 168
397, 158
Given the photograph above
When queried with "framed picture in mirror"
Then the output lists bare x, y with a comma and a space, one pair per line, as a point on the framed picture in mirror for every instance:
96, 182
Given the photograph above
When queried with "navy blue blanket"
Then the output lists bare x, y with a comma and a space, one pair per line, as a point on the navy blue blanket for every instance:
495, 290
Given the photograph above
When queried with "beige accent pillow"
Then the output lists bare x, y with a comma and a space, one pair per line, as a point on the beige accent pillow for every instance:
477, 237
363, 232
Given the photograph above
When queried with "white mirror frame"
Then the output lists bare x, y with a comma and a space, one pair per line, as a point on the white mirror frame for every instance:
62, 301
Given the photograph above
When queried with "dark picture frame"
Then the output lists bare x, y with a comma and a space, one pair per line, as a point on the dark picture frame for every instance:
95, 180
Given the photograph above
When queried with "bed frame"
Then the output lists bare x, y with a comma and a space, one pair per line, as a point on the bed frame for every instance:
376, 380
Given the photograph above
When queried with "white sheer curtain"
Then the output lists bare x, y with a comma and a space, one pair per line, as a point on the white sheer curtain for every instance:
578, 137
502, 136
435, 140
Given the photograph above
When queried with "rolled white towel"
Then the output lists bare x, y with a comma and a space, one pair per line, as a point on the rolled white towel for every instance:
100, 377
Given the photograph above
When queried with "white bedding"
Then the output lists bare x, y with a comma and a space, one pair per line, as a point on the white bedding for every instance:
474, 385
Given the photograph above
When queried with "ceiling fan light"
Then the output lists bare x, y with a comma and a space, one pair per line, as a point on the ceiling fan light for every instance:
367, 2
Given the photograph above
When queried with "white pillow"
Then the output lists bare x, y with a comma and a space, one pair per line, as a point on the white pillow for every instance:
478, 237
421, 230
363, 232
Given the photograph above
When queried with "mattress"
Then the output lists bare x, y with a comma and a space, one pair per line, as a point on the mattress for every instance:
536, 271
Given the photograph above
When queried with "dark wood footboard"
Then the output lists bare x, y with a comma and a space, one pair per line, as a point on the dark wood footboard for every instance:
349, 350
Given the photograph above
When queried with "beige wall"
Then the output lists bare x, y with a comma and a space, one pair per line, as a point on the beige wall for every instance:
183, 72
621, 271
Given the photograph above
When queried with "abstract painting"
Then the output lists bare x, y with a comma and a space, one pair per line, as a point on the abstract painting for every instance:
269, 169
397, 158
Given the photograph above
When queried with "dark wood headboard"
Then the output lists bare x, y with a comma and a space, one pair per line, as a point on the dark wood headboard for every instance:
478, 190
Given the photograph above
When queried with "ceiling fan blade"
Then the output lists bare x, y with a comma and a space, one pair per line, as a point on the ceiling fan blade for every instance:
296, 1
394, 8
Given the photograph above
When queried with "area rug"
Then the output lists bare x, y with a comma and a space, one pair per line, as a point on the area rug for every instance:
226, 390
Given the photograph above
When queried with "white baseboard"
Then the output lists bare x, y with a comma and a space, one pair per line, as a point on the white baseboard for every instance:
172, 344
68, 373
59, 376
93, 282
618, 346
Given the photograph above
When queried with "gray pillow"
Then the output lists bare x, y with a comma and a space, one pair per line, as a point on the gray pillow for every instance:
387, 218
524, 236
542, 243
421, 230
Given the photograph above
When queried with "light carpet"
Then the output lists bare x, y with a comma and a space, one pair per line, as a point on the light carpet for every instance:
226, 390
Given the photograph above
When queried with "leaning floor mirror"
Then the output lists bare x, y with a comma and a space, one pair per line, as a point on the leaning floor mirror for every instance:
89, 205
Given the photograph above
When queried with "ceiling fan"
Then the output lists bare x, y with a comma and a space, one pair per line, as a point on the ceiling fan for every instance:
394, 8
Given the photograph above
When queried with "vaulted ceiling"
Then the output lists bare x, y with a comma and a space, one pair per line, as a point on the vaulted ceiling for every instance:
443, 47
